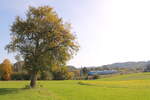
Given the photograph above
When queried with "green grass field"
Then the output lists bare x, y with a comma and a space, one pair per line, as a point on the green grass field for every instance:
124, 87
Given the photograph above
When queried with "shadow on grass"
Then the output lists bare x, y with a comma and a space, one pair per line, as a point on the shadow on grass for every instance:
4, 91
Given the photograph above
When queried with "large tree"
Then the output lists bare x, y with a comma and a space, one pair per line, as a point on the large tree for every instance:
43, 40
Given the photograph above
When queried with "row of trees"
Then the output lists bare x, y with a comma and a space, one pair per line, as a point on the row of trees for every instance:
8, 72
16, 71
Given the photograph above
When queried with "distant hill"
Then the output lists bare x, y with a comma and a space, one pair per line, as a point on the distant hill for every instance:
126, 77
140, 64
71, 68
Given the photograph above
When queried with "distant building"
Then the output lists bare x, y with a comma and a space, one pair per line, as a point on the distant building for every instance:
104, 72
18, 66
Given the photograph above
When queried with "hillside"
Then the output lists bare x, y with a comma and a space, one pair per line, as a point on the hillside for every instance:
135, 76
140, 64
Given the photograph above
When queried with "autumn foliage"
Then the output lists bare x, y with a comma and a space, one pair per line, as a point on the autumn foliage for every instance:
61, 73
43, 39
6, 70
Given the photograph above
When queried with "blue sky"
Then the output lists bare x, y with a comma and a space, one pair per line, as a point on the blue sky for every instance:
81, 14
108, 31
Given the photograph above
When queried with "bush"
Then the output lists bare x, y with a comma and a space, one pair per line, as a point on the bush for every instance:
20, 76
69, 75
46, 75
96, 77
59, 73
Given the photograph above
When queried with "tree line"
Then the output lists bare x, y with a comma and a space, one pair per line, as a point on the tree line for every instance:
9, 72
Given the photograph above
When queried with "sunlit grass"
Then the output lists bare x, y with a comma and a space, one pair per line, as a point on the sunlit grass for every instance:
125, 87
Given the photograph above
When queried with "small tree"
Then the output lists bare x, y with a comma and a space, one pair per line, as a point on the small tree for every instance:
147, 68
6, 70
84, 71
43, 40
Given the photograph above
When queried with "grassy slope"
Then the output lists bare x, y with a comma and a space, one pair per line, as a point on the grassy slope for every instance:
125, 87
136, 76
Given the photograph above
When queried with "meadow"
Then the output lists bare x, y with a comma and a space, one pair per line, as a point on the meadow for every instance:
119, 87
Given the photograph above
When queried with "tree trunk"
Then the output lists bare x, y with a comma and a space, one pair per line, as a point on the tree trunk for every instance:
33, 80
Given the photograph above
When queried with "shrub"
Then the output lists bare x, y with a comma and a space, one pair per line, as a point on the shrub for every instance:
59, 73
46, 75
96, 77
69, 75
20, 76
